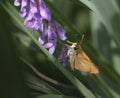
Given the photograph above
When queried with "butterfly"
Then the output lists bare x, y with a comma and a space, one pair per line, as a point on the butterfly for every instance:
79, 59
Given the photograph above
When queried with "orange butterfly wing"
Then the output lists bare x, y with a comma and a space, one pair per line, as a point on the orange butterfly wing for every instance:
83, 63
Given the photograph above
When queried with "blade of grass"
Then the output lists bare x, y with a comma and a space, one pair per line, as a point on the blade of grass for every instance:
38, 84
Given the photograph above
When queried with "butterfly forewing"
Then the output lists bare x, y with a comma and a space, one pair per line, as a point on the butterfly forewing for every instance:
83, 63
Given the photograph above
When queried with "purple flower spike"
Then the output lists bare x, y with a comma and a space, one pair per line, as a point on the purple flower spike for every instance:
38, 17
63, 55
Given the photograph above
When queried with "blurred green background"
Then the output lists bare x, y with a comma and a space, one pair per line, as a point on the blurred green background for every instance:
28, 70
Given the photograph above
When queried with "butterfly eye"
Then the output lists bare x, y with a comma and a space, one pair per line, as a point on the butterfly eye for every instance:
75, 48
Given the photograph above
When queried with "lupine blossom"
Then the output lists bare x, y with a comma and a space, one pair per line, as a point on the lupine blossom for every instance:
37, 16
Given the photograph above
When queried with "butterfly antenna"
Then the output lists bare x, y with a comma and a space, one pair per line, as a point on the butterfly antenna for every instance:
82, 39
69, 42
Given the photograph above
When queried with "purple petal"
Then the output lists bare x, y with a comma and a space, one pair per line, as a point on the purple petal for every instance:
43, 31
28, 21
44, 11
51, 32
41, 40
60, 31
52, 49
43, 36
24, 8
33, 6
37, 22
48, 45
24, 3
63, 55
17, 2
42, 27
